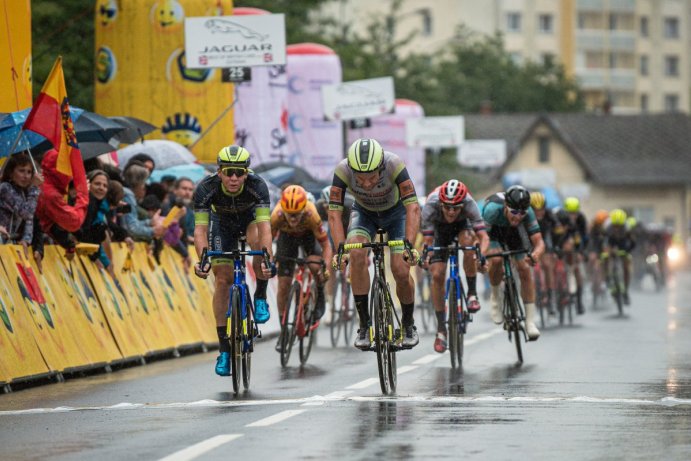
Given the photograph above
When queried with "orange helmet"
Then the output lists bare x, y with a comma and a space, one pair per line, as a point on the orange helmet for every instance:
600, 217
293, 199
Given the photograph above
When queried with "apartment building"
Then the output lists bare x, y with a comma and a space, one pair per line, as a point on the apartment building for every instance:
629, 56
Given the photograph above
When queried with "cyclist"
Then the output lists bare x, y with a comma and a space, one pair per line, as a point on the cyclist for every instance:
296, 223
548, 223
451, 211
618, 237
596, 239
512, 222
572, 242
384, 198
232, 202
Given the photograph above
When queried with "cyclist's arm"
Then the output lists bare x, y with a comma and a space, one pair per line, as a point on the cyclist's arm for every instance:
406, 189
484, 240
265, 240
336, 201
538, 245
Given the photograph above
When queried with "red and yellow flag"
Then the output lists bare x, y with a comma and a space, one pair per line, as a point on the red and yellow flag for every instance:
50, 117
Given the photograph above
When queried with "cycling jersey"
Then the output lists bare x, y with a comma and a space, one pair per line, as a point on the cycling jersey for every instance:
548, 224
499, 228
432, 214
617, 236
596, 239
252, 199
394, 186
310, 223
574, 228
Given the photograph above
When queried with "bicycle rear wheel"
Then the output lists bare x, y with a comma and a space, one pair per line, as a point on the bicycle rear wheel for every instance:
235, 335
381, 337
455, 332
288, 323
514, 324
306, 342
391, 329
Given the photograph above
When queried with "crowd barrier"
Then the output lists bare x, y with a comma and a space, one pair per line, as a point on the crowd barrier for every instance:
73, 316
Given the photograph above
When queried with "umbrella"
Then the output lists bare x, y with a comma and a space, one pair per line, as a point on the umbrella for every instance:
88, 126
89, 149
135, 129
165, 153
280, 173
194, 172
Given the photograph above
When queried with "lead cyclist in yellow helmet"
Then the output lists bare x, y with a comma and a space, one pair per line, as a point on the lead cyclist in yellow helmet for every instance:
548, 223
384, 198
232, 202
618, 238
573, 243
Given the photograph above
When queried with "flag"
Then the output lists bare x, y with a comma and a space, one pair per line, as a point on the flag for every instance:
50, 117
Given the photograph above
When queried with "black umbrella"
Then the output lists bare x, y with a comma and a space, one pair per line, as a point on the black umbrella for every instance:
92, 127
135, 129
88, 149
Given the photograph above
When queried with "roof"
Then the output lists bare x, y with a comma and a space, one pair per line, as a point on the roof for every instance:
644, 149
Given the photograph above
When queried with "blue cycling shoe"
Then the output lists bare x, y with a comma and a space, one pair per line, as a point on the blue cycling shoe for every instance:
261, 310
223, 364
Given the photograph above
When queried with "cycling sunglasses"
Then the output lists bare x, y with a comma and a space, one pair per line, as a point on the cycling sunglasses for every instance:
233, 171
517, 212
451, 207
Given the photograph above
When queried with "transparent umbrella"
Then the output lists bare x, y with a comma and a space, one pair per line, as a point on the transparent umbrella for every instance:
165, 153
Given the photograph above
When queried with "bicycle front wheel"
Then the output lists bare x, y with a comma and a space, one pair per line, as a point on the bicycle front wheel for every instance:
337, 314
235, 337
347, 312
306, 342
381, 336
453, 332
248, 346
514, 323
288, 323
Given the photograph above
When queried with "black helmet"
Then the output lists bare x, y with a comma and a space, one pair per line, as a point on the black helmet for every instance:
517, 197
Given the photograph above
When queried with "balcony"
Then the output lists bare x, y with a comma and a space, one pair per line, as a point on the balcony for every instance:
622, 40
612, 79
590, 39
600, 5
609, 40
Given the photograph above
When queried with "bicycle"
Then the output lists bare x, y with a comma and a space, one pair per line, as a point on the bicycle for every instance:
514, 313
541, 292
563, 289
423, 292
385, 333
456, 301
615, 277
302, 299
241, 330
342, 310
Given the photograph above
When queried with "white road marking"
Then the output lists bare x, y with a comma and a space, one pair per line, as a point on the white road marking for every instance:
406, 369
482, 336
277, 418
337, 395
425, 359
363, 384
200, 448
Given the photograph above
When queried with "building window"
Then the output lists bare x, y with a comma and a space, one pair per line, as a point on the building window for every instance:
671, 27
612, 60
644, 64
612, 21
545, 24
644, 26
543, 142
548, 59
582, 20
644, 103
513, 22
672, 66
671, 102
426, 21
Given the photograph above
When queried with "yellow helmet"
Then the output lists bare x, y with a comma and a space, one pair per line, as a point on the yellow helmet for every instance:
617, 217
233, 156
537, 200
293, 199
631, 222
365, 155
572, 205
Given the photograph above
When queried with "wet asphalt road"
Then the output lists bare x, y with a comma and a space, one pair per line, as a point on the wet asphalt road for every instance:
606, 388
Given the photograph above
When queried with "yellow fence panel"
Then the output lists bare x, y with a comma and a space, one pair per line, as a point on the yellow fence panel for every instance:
50, 330
116, 310
19, 353
88, 324
178, 279
183, 327
150, 317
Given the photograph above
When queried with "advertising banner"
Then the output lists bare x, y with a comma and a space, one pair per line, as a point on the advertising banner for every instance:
141, 71
358, 98
313, 143
435, 131
15, 58
482, 152
235, 41
390, 131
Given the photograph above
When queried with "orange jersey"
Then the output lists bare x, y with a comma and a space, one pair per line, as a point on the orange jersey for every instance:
310, 222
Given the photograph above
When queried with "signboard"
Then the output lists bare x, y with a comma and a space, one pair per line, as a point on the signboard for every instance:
236, 74
358, 99
482, 152
235, 41
435, 131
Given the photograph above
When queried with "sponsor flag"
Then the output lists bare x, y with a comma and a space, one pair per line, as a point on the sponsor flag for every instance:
50, 117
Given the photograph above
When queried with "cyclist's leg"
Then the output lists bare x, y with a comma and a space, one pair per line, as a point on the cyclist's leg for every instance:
528, 296
285, 248
547, 262
313, 251
261, 306
360, 230
466, 237
626, 263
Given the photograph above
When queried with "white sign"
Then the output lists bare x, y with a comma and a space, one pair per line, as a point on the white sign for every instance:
578, 190
235, 41
358, 99
538, 178
435, 131
482, 152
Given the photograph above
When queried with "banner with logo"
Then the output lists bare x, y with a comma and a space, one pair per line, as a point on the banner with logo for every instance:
313, 143
15, 59
390, 131
358, 98
141, 71
235, 41
448, 131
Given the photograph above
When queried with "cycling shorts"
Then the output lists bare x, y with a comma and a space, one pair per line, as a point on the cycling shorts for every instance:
444, 234
289, 245
365, 223
224, 232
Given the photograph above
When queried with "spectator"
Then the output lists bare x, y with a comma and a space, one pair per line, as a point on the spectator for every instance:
19, 191
95, 227
172, 233
144, 159
181, 195
139, 227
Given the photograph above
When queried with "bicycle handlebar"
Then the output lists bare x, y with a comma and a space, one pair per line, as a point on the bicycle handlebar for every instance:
507, 253
304, 261
346, 247
205, 259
